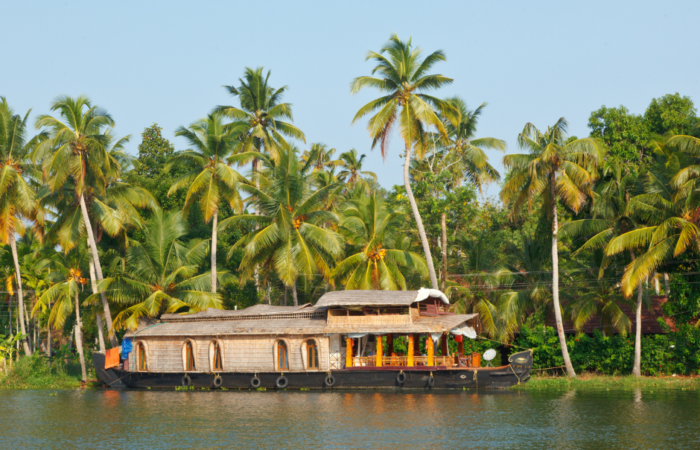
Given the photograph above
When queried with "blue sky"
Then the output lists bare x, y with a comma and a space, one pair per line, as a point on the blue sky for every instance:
165, 62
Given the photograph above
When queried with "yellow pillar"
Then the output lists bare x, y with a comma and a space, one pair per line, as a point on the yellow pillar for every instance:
348, 352
380, 351
431, 350
410, 350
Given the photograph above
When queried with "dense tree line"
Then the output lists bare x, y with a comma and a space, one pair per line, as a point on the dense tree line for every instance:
95, 239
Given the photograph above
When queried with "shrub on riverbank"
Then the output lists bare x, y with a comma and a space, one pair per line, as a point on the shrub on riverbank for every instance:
673, 353
38, 372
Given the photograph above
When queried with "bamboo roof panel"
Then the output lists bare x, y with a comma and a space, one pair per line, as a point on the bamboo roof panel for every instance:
367, 298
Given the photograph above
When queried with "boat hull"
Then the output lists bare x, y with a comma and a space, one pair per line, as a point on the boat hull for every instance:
518, 371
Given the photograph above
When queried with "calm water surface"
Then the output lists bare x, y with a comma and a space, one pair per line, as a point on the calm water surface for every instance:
377, 420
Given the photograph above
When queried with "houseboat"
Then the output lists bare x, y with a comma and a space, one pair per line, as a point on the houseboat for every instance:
347, 340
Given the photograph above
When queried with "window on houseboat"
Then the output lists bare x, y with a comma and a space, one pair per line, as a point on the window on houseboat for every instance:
189, 357
218, 366
141, 355
282, 356
312, 354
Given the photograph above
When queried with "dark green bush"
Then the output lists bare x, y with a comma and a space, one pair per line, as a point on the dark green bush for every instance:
676, 352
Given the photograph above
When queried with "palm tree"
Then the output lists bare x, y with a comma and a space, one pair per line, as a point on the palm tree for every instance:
17, 197
611, 217
65, 293
290, 235
552, 170
260, 116
321, 157
404, 79
78, 151
462, 156
112, 210
352, 172
374, 261
213, 181
161, 274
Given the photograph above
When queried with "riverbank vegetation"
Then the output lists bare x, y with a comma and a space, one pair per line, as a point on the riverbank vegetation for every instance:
608, 382
253, 211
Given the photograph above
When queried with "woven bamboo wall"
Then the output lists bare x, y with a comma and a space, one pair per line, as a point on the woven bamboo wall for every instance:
241, 353
398, 319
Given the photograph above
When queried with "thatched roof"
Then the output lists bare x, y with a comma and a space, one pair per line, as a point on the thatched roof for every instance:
378, 298
255, 310
282, 325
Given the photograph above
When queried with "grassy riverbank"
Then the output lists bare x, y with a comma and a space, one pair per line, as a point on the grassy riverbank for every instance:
37, 372
592, 381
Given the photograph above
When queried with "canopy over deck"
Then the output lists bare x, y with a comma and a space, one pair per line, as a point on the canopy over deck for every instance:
379, 298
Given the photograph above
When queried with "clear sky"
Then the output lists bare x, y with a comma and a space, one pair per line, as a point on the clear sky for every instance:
165, 62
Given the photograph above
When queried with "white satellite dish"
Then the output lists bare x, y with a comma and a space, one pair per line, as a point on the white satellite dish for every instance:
489, 355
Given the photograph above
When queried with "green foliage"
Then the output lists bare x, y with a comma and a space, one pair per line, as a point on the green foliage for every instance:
626, 135
671, 114
684, 299
38, 372
677, 352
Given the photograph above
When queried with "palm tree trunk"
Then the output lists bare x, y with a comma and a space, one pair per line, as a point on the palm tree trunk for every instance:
100, 328
555, 281
79, 338
637, 366
48, 336
419, 222
20, 294
256, 272
666, 288
98, 269
215, 222
294, 294
443, 224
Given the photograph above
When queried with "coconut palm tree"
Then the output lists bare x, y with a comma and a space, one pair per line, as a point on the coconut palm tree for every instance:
290, 232
213, 181
78, 151
260, 115
161, 274
65, 294
112, 210
404, 78
552, 170
374, 262
17, 197
321, 157
351, 172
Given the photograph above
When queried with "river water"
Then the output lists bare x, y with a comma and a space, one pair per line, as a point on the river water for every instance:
632, 419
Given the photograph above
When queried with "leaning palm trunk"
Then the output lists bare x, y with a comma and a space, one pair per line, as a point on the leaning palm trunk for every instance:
98, 269
419, 222
79, 338
98, 316
637, 367
215, 222
443, 224
20, 295
555, 282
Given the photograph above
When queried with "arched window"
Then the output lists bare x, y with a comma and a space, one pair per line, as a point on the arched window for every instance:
141, 359
282, 356
311, 354
188, 355
216, 355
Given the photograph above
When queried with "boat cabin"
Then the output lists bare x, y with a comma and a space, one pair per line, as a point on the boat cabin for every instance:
344, 330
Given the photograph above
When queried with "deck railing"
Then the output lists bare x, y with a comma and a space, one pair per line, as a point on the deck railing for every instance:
402, 361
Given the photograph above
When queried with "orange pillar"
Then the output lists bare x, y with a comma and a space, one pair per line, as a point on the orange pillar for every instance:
431, 350
380, 351
410, 351
444, 349
348, 352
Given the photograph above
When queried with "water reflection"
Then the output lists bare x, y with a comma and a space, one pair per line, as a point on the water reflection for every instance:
363, 419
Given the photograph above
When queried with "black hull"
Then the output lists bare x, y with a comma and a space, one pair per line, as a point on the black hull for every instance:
355, 378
